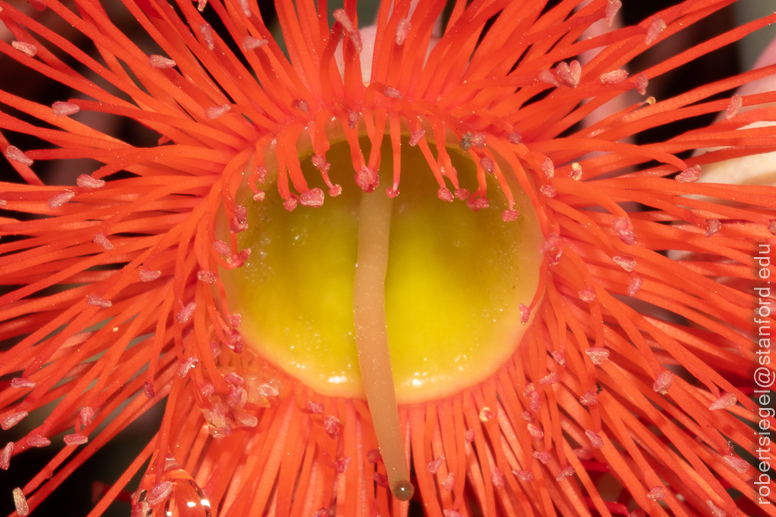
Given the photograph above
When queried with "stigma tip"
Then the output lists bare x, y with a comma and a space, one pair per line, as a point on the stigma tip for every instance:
403, 490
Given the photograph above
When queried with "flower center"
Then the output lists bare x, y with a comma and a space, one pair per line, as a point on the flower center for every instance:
454, 284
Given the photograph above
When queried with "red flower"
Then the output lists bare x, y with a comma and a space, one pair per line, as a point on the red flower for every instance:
616, 381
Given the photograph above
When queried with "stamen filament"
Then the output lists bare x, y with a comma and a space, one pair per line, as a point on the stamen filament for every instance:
372, 337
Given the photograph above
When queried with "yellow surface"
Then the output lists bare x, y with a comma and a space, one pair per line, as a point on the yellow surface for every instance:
454, 281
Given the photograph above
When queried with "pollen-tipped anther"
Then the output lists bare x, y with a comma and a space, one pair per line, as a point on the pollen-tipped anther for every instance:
570, 73
147, 275
416, 136
627, 263
15, 154
98, 301
161, 62
11, 420
548, 191
547, 77
207, 277
332, 425
736, 103
587, 295
445, 195
186, 366
214, 112
612, 7
64, 109
85, 416
250, 43
564, 473
589, 398
723, 402
148, 390
20, 502
596, 441
486, 415
353, 33
576, 171
635, 285
402, 30
597, 354
542, 456
488, 164
690, 175
449, 483
655, 28
302, 105
663, 382
88, 182
509, 215
715, 510
5, 456
713, 226
24, 47
497, 477
37, 440
392, 93
185, 314
73, 440
477, 202
514, 137
621, 226
159, 492
312, 198
548, 168
22, 382
321, 163
535, 432
614, 77
60, 199
208, 35
367, 179
433, 466
245, 7
103, 241
657, 493
736, 463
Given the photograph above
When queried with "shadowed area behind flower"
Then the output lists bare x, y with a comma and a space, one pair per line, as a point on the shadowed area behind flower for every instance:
630, 390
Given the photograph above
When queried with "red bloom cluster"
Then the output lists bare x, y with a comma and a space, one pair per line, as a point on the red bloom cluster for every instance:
629, 393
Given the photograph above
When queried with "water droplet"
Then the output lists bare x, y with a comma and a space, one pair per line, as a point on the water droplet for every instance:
186, 499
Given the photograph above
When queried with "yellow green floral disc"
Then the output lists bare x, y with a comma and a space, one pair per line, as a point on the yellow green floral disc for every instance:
454, 283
